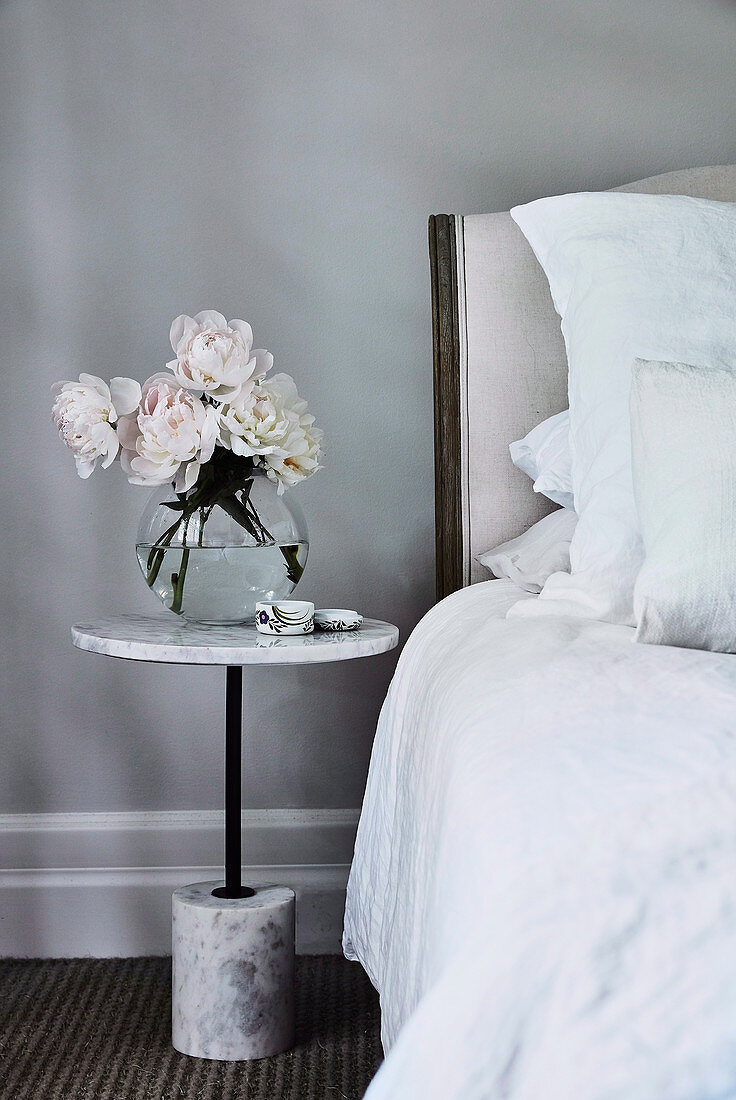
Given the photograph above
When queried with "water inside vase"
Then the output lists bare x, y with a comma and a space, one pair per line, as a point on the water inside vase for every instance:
222, 584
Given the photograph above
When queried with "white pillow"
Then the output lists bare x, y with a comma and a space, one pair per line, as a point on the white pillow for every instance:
683, 434
631, 275
529, 559
544, 456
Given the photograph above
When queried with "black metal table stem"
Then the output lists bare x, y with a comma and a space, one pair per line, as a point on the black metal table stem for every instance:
233, 887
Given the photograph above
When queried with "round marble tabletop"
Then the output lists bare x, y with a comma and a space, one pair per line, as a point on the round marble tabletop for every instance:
174, 641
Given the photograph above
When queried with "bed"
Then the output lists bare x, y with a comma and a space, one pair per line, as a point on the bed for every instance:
543, 888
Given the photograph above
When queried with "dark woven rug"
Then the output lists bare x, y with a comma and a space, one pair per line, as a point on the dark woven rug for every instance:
99, 1029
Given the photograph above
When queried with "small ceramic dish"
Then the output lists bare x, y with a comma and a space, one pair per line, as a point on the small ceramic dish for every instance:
337, 618
285, 617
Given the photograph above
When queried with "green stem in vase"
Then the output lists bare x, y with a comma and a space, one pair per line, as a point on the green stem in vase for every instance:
235, 510
243, 512
177, 580
158, 553
294, 567
187, 507
265, 535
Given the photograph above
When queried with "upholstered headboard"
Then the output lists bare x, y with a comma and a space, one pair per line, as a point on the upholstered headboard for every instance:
500, 368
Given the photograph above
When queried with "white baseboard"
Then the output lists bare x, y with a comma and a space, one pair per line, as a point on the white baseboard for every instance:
100, 884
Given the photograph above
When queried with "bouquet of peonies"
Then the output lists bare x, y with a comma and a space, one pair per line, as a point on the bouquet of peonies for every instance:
202, 425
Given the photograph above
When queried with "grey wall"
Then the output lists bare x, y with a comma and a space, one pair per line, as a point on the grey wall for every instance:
276, 161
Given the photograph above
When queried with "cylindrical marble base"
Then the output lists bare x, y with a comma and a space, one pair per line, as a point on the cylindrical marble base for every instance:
233, 972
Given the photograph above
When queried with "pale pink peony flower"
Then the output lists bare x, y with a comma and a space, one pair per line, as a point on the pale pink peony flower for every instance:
214, 356
85, 412
172, 433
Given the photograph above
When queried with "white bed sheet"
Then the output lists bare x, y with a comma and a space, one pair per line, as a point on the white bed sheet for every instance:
544, 882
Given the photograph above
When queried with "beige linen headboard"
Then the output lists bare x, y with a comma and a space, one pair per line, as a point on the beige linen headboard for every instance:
500, 368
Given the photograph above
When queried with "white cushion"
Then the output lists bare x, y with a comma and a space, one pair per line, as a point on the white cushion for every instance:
631, 275
542, 550
683, 433
544, 456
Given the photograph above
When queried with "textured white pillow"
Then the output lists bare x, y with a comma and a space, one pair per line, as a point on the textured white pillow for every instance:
544, 456
652, 276
532, 557
683, 436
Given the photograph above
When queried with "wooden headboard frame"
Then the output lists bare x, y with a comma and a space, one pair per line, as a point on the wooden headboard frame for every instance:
447, 435
499, 369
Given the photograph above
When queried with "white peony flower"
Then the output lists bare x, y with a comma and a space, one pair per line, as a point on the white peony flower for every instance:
85, 413
214, 356
171, 435
297, 455
258, 423
273, 425
297, 458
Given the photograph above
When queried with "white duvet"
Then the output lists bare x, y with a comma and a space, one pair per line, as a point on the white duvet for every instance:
544, 881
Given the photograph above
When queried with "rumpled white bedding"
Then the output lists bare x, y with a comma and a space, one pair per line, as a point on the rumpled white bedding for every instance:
544, 881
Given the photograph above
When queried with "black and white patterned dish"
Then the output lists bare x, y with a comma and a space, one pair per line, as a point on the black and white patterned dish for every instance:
285, 617
336, 619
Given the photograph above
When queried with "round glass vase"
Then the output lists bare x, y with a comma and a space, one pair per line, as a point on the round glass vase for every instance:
212, 553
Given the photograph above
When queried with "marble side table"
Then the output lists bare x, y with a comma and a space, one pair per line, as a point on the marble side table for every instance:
232, 944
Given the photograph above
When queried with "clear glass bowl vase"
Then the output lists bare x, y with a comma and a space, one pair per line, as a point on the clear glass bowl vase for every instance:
212, 553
